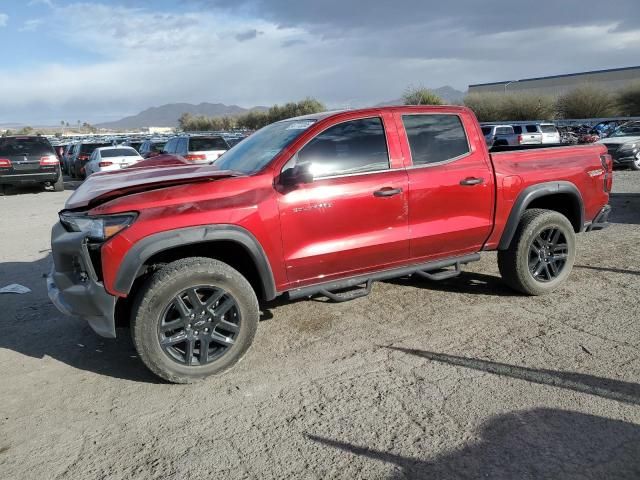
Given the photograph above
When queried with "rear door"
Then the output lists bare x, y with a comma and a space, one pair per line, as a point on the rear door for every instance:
352, 218
26, 153
451, 185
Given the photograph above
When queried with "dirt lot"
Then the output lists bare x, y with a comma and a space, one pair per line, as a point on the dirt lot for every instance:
461, 379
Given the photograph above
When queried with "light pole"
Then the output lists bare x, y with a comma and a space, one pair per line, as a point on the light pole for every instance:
507, 84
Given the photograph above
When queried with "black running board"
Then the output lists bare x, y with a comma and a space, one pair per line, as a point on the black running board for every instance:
329, 289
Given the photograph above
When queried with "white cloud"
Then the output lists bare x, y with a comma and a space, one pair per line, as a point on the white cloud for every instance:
143, 58
31, 25
4, 19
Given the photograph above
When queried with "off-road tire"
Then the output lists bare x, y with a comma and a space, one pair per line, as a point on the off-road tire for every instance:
157, 292
513, 263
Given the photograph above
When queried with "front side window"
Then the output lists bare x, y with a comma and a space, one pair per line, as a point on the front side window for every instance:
356, 146
435, 138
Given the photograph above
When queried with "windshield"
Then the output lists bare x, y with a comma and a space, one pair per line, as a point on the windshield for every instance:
256, 151
628, 131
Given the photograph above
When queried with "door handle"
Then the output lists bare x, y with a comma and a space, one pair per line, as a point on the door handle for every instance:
387, 192
469, 181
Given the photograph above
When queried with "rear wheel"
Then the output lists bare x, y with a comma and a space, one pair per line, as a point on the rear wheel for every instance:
194, 318
541, 254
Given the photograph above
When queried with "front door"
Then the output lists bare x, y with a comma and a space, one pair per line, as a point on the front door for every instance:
352, 218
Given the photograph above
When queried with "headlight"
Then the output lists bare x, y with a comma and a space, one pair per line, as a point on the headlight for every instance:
97, 228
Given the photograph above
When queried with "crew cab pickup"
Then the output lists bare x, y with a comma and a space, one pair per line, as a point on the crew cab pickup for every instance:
324, 204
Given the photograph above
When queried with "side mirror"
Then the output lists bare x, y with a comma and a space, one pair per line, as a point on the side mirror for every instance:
300, 173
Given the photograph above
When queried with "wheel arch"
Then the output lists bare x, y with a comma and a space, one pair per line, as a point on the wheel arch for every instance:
229, 243
563, 197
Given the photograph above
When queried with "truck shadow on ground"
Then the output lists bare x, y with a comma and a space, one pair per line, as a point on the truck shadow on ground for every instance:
538, 443
32, 326
625, 208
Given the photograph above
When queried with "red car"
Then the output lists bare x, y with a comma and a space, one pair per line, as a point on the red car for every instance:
324, 204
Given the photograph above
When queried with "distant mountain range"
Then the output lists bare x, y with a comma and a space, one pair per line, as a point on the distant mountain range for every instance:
168, 115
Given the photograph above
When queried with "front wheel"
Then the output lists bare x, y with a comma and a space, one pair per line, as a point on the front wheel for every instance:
194, 318
635, 165
541, 254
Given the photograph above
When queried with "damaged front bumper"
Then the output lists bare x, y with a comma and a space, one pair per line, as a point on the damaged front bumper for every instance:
74, 287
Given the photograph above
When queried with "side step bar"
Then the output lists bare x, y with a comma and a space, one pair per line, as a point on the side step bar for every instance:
328, 289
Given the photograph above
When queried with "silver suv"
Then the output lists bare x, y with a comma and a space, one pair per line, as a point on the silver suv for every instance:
499, 135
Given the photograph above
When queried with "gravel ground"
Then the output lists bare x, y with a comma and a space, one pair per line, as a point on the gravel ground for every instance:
460, 379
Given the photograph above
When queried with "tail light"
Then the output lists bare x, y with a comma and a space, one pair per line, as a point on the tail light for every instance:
5, 163
607, 164
49, 161
105, 164
195, 156
520, 138
83, 157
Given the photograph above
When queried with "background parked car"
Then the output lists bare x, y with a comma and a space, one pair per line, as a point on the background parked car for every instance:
152, 147
528, 134
499, 135
107, 159
66, 157
197, 148
80, 156
550, 133
624, 145
29, 160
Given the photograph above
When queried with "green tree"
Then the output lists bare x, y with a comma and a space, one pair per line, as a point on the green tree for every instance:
421, 96
488, 107
524, 106
629, 100
587, 101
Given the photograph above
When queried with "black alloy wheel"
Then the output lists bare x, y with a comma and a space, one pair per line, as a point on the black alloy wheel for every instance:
548, 254
199, 325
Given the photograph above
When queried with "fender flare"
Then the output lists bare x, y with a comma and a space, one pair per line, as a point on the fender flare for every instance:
530, 194
141, 251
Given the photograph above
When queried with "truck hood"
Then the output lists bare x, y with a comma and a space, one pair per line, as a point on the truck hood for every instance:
102, 187
619, 140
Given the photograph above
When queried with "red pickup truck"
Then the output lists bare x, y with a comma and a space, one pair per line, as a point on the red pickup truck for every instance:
324, 204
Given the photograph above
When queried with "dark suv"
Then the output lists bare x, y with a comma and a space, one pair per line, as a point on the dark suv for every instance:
197, 148
28, 160
80, 156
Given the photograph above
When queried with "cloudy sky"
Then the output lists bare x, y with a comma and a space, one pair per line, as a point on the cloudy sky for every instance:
101, 60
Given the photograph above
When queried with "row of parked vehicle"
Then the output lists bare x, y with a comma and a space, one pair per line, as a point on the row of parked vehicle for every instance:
34, 160
520, 134
83, 158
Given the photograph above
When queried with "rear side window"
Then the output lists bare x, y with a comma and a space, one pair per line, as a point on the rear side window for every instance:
118, 152
207, 144
532, 129
25, 146
170, 147
486, 130
88, 148
435, 138
357, 146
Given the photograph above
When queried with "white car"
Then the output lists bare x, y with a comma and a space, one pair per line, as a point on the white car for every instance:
550, 133
108, 159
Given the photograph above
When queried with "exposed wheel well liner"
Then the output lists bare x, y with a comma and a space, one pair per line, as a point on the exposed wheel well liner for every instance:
229, 243
563, 197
